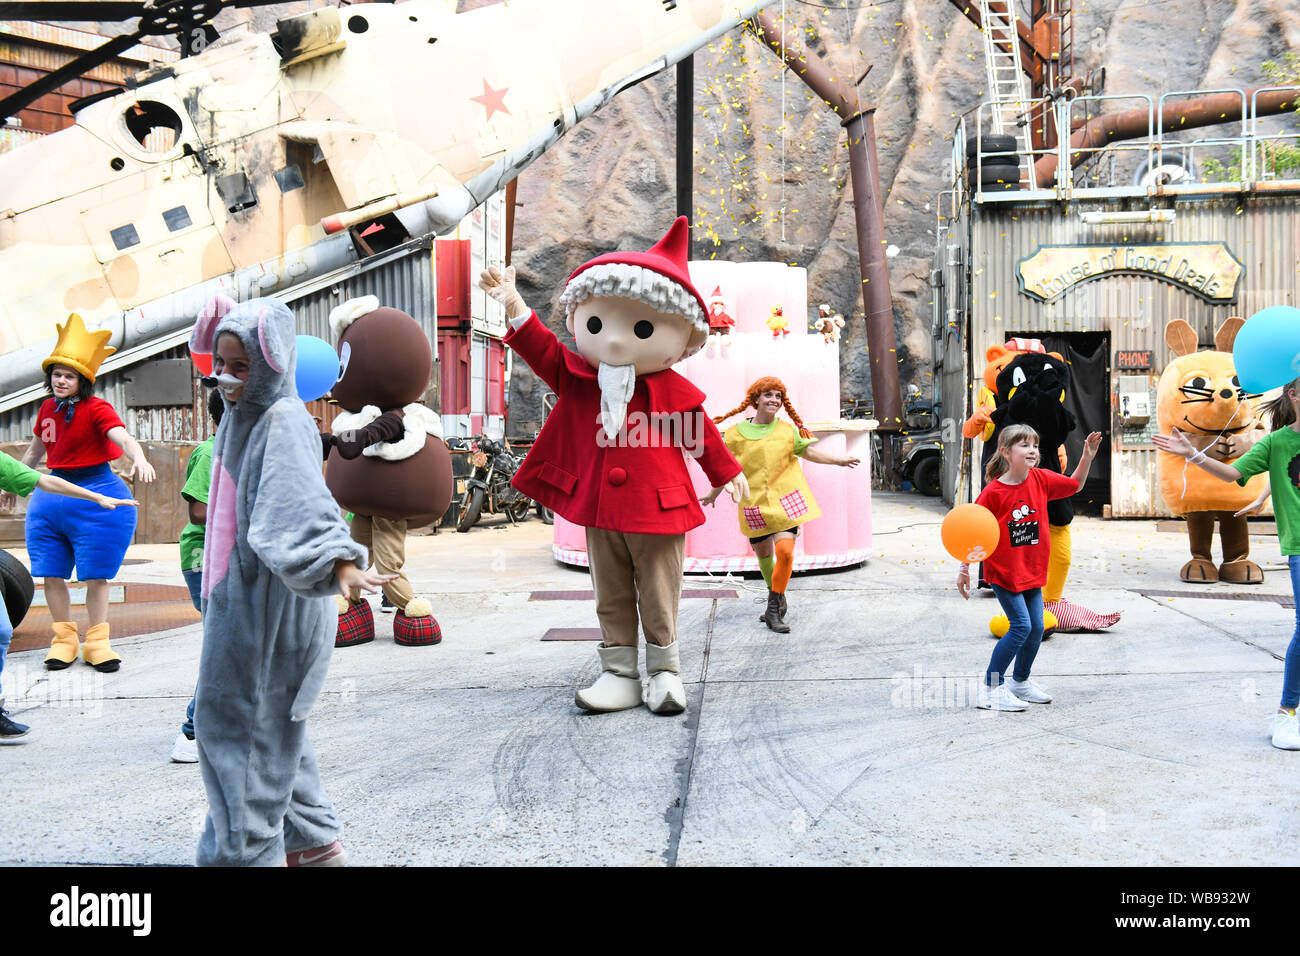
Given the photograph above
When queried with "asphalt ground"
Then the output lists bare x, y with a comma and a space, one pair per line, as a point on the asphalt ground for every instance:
851, 740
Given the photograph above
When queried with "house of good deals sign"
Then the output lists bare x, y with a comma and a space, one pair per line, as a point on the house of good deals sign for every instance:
1206, 269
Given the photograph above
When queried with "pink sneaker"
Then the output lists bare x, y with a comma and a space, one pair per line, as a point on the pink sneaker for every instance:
332, 855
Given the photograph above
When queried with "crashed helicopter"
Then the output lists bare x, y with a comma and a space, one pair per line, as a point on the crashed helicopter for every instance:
270, 159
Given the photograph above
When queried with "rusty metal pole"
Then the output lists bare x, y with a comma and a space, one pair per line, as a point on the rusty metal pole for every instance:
864, 173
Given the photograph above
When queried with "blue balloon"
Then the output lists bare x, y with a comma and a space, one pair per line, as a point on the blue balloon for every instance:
1267, 349
317, 369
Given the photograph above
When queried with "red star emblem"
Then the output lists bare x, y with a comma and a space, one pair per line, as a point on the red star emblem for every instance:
493, 101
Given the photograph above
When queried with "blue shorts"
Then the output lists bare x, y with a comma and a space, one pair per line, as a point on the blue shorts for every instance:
62, 531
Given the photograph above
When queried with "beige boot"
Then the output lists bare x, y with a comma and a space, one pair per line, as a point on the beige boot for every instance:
665, 693
63, 649
96, 650
619, 685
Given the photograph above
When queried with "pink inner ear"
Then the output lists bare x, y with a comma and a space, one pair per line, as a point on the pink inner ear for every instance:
261, 338
201, 339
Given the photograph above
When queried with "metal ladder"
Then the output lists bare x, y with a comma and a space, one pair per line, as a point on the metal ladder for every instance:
1009, 100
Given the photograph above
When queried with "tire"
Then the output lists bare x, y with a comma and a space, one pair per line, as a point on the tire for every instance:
545, 513
926, 476
518, 509
18, 587
999, 173
469, 512
992, 143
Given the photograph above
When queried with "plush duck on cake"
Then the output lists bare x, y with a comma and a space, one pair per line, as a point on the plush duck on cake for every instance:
387, 463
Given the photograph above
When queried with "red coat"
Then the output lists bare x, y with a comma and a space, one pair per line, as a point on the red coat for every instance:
639, 483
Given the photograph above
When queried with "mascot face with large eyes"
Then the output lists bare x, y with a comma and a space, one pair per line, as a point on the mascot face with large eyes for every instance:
1205, 396
1034, 385
1199, 393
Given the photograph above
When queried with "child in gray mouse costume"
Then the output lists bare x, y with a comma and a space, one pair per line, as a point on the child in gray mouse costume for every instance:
276, 548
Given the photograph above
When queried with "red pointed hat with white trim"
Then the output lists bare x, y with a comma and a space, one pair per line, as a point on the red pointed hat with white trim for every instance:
667, 257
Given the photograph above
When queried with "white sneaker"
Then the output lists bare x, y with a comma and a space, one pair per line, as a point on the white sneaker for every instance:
998, 698
185, 750
1286, 732
1028, 691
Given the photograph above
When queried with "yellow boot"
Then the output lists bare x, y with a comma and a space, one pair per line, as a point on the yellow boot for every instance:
63, 649
96, 651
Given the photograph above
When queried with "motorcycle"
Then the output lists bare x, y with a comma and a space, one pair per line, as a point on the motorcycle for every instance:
492, 466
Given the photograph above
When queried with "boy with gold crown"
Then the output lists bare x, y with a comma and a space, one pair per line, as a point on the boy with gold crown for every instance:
78, 435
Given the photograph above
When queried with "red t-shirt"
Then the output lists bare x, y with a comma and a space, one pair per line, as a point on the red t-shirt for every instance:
81, 442
1019, 562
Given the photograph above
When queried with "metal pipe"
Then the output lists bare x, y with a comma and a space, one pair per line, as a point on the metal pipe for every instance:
686, 140
864, 174
1188, 114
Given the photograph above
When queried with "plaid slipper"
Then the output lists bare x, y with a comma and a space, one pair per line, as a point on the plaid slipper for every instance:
415, 631
356, 625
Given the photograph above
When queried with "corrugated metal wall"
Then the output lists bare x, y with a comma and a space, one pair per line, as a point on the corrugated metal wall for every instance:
404, 281
1262, 232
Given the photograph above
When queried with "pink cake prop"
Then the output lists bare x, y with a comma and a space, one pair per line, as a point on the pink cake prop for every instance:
810, 369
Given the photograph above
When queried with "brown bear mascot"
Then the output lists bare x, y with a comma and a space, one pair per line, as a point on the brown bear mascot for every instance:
387, 463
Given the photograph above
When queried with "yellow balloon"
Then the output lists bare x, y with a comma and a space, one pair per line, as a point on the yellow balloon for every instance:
999, 626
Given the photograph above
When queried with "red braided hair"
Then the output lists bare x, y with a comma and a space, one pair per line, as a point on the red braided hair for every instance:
768, 383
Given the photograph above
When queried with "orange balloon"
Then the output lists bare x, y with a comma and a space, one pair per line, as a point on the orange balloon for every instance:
970, 532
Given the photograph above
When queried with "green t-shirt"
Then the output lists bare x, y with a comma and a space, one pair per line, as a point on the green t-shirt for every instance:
198, 476
15, 477
1278, 453
755, 432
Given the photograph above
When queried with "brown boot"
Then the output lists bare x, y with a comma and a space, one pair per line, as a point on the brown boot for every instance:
1237, 568
96, 651
1200, 536
772, 617
63, 649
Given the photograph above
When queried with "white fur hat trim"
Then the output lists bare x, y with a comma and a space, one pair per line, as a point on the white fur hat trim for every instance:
345, 313
633, 282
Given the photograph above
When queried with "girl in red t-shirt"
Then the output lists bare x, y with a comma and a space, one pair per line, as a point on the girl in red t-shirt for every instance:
1017, 493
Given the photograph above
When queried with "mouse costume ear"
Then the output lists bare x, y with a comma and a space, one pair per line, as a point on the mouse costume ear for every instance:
203, 337
275, 334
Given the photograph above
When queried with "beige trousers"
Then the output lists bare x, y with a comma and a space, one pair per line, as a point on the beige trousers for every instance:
632, 572
385, 538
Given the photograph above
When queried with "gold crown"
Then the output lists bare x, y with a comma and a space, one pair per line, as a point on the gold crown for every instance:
79, 349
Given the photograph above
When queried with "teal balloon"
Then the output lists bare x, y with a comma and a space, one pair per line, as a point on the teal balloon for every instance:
317, 367
1267, 349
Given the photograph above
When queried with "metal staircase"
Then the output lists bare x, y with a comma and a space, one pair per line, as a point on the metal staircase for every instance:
1008, 97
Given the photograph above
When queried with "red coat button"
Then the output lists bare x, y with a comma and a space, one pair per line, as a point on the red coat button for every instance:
617, 476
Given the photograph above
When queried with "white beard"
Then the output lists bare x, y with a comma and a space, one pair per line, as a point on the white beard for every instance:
616, 385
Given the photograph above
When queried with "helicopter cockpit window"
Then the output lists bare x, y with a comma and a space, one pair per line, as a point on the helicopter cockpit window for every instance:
155, 126
124, 237
177, 218
289, 179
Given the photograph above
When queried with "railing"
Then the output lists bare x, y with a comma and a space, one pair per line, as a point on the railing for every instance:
1238, 154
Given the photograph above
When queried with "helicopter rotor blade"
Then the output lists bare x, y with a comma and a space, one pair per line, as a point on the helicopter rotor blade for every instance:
11, 104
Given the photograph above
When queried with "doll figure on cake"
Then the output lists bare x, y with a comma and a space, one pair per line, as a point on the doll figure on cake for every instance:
612, 454
778, 322
720, 325
828, 324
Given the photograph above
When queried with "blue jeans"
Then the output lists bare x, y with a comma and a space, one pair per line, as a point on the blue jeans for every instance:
1291, 668
6, 635
1024, 609
193, 581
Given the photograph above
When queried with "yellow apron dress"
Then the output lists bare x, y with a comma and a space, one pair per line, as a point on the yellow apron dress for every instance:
779, 498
